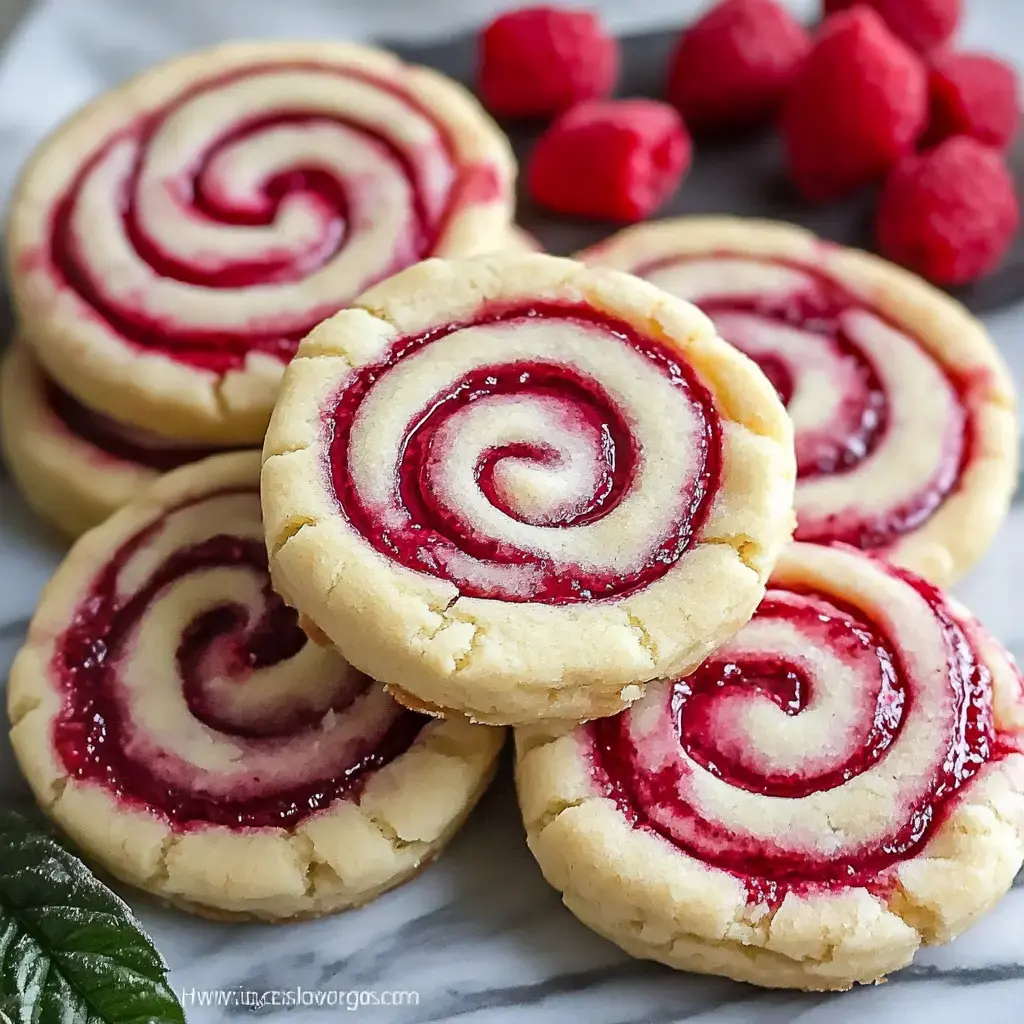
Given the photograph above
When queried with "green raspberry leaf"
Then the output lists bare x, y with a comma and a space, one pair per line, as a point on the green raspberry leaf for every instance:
71, 951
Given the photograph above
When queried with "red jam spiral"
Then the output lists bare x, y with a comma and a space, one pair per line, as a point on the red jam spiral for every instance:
190, 691
816, 750
546, 453
882, 433
252, 204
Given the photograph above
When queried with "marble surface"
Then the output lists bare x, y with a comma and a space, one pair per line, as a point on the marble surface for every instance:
479, 936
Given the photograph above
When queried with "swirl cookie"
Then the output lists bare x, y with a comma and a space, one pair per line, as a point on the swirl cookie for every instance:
171, 716
73, 464
518, 488
838, 784
172, 243
904, 414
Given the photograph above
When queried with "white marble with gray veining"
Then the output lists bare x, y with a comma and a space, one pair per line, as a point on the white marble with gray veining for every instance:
479, 936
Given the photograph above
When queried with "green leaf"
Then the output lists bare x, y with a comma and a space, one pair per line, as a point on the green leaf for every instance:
71, 951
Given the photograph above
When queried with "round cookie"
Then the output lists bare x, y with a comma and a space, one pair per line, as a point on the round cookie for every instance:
840, 783
904, 413
172, 242
173, 719
517, 488
75, 466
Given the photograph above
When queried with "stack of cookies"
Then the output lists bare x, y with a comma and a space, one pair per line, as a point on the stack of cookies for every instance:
171, 244
502, 490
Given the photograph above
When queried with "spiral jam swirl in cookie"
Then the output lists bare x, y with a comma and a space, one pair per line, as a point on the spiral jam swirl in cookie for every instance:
519, 488
882, 434
254, 203
818, 749
542, 453
190, 690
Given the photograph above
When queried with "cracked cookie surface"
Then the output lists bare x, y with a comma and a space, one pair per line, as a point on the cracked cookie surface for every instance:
171, 716
172, 242
840, 783
517, 488
904, 413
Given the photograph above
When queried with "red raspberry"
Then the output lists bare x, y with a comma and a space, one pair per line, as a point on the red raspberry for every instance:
923, 24
733, 67
858, 103
972, 94
951, 213
610, 159
539, 61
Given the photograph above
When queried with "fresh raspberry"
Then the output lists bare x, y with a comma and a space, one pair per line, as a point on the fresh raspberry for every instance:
950, 213
610, 159
923, 24
733, 67
972, 94
539, 61
857, 105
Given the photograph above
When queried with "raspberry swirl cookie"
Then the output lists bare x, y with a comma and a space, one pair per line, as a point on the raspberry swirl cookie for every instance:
841, 782
518, 488
905, 415
171, 716
172, 242
73, 464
